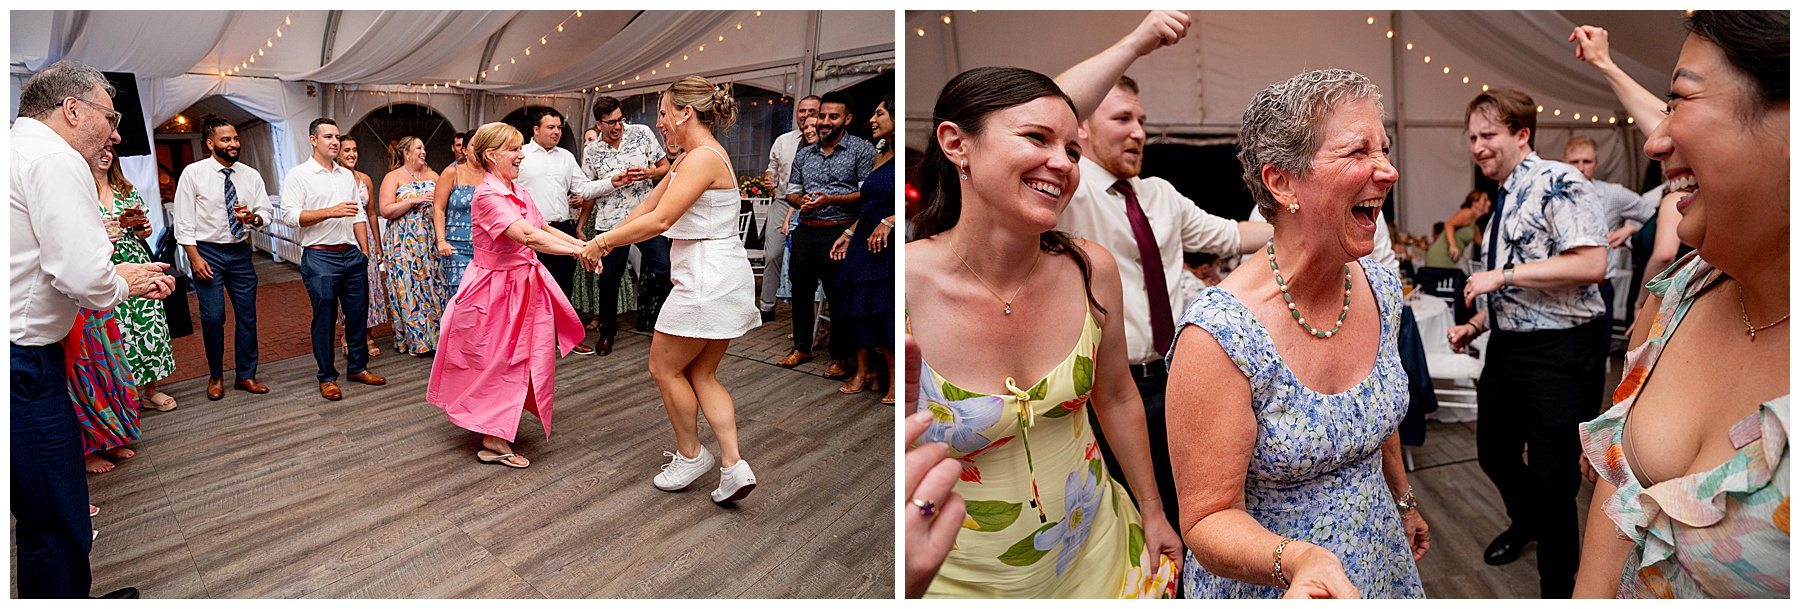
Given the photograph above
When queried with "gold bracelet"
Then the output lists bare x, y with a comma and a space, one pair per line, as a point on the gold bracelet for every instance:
1281, 579
605, 241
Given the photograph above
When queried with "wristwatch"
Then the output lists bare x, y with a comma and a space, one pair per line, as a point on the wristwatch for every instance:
1507, 272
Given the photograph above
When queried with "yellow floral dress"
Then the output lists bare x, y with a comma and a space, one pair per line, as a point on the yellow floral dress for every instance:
1044, 517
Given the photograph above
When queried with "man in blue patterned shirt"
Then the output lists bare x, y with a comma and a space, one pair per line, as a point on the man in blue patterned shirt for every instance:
1545, 370
627, 160
825, 185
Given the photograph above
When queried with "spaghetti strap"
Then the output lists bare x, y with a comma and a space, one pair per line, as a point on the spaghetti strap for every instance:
716, 151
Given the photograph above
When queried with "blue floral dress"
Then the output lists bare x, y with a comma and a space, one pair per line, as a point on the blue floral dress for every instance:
1315, 474
458, 228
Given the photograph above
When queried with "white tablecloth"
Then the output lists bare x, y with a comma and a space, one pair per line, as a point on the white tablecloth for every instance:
1434, 320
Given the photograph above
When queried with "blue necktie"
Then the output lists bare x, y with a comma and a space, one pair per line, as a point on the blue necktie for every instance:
231, 221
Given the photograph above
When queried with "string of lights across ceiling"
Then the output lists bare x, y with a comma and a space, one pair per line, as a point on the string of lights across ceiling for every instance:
286, 20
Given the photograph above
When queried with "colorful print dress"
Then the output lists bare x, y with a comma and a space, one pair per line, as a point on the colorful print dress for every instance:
100, 382
149, 350
1315, 473
1044, 517
415, 277
1721, 533
378, 302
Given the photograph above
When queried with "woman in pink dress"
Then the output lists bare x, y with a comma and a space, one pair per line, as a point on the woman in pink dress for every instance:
497, 346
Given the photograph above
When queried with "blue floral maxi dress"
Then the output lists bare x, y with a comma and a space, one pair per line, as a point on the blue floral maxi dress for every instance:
415, 278
457, 230
1315, 473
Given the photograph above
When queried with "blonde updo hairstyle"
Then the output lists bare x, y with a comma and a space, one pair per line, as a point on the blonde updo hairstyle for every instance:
492, 136
713, 105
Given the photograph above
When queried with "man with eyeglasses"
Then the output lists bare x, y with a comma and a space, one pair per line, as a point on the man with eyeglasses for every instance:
60, 262
626, 161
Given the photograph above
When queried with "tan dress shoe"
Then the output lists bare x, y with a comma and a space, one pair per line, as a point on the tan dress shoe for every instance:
835, 370
330, 390
367, 378
215, 389
794, 359
252, 386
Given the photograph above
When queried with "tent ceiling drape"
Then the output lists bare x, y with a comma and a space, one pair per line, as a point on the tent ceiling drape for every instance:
650, 39
407, 46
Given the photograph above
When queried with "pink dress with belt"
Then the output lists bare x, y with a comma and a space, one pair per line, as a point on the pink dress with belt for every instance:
504, 325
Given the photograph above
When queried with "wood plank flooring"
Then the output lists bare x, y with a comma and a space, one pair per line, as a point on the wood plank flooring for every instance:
288, 495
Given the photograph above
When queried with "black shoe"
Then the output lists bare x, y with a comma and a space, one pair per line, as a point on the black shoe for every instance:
768, 316
1506, 548
126, 592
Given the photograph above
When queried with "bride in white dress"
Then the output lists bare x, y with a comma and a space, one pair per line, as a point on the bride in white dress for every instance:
714, 299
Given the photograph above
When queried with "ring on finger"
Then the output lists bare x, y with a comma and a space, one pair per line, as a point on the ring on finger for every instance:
927, 507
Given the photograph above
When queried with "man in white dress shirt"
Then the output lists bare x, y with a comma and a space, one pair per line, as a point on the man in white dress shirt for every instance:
1144, 222
60, 262
1622, 206
216, 202
781, 164
553, 176
319, 198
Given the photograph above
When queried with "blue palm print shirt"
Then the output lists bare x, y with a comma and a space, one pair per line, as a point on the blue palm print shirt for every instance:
1548, 208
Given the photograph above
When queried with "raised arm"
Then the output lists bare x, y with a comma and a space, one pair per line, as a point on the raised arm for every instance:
1592, 46
1088, 82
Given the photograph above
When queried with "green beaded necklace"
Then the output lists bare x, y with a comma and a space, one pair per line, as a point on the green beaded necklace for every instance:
1295, 311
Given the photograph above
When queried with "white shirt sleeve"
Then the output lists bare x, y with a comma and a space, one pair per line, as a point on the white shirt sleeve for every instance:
259, 201
1384, 246
293, 197
73, 250
1201, 231
184, 207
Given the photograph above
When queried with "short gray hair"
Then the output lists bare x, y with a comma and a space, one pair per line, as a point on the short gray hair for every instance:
1281, 126
62, 80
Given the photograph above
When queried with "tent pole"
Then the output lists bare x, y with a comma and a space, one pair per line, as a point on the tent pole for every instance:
1399, 114
809, 55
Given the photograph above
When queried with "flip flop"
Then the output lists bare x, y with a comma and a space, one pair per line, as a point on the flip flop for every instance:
488, 456
93, 510
160, 401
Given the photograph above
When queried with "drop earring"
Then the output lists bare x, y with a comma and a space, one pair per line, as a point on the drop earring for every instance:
963, 170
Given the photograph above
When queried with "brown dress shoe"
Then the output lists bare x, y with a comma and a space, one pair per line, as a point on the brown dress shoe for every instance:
580, 349
794, 359
603, 346
835, 370
215, 388
367, 378
252, 386
330, 390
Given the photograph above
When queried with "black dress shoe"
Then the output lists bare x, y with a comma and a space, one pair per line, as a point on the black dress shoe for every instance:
1506, 548
603, 346
126, 592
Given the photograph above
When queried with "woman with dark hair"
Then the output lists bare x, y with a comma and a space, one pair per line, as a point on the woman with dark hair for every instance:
148, 348
415, 280
1459, 233
995, 298
1692, 459
95, 353
867, 250
348, 155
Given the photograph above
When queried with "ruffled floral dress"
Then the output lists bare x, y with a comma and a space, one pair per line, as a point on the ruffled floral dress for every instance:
1315, 473
1044, 517
415, 277
148, 348
1721, 533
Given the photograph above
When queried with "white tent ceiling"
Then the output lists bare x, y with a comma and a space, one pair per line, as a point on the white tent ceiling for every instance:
1200, 86
470, 66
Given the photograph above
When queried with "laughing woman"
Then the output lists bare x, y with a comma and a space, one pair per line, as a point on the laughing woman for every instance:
1286, 383
1692, 500
1048, 518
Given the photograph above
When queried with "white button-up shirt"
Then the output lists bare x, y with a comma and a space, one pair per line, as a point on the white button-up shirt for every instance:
1096, 212
310, 186
60, 256
551, 176
781, 157
199, 208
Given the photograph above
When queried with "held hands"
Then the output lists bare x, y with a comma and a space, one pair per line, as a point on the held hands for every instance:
1592, 46
1315, 572
594, 251
1159, 29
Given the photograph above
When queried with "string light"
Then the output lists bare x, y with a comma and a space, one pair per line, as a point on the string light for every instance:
1371, 21
1466, 81
1427, 59
946, 20
262, 51
920, 31
1390, 33
1593, 117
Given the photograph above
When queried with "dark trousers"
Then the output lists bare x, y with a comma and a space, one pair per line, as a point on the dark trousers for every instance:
655, 255
1535, 389
49, 487
233, 272
1423, 398
562, 268
1151, 388
808, 264
333, 279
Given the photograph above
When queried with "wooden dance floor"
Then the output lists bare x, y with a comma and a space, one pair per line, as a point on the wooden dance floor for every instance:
288, 495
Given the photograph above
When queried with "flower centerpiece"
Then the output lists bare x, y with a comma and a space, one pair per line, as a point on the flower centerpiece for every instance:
755, 187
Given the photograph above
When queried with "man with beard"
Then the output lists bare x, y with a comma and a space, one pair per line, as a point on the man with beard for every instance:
825, 185
319, 198
781, 165
217, 201
1144, 222
1545, 370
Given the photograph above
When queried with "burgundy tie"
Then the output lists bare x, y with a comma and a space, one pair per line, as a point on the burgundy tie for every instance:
1162, 323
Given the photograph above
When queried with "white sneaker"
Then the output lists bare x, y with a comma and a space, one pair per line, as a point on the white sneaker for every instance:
681, 471
735, 482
